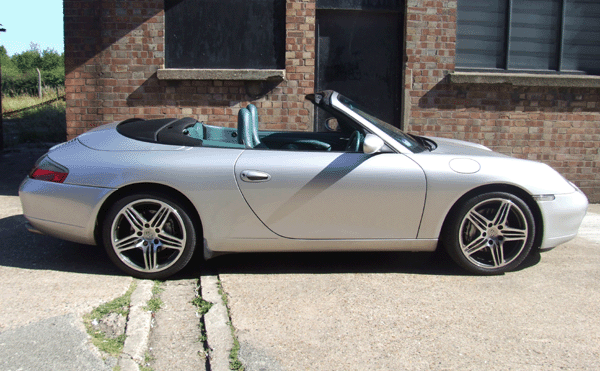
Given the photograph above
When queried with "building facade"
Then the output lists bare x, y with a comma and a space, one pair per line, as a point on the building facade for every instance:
519, 76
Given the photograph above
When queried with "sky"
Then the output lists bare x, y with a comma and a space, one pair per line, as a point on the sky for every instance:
31, 21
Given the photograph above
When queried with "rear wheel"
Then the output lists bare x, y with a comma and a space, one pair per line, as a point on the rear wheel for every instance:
491, 233
149, 235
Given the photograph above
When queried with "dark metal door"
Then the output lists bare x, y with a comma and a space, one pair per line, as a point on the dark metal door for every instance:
358, 55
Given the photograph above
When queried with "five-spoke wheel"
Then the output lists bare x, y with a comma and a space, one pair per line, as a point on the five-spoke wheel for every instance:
491, 233
149, 235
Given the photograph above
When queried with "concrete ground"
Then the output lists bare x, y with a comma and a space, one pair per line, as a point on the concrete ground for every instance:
403, 311
175, 343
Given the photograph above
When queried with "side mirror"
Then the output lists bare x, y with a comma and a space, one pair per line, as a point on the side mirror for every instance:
372, 144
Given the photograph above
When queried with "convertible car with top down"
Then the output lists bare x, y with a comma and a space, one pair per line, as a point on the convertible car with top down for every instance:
153, 191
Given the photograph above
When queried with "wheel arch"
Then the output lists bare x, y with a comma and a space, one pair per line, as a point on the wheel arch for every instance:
507, 188
147, 187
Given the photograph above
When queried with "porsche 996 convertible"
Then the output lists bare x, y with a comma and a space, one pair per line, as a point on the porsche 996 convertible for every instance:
153, 191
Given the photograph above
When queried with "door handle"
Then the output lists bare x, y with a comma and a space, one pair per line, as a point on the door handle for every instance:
254, 176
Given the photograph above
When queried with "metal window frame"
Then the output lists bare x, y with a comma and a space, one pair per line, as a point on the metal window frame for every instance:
507, 45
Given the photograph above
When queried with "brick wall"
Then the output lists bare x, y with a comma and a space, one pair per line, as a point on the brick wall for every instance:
114, 48
555, 125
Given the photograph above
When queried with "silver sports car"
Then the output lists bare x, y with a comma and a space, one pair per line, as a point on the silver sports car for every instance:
153, 191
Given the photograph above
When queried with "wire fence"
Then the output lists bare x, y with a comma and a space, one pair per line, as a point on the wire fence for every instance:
10, 113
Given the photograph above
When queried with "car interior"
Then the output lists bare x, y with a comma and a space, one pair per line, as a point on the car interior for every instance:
190, 132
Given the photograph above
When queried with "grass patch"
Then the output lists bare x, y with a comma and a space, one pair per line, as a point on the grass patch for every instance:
23, 101
147, 359
234, 362
42, 124
120, 305
202, 307
155, 302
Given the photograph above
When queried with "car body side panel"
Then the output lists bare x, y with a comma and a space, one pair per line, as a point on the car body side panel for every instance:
303, 245
204, 175
335, 195
445, 186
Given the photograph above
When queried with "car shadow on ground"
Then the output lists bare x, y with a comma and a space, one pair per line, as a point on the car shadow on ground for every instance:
26, 250
334, 262
421, 263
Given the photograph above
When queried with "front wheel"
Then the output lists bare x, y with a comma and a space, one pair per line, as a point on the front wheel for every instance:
149, 235
490, 234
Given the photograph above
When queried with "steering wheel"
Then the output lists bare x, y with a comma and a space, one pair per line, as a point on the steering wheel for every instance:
354, 142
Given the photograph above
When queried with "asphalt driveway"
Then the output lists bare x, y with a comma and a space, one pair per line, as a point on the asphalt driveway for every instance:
403, 311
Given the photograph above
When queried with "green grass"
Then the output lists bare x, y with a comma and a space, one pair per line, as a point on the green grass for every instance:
41, 124
202, 307
147, 359
234, 362
120, 305
155, 302
24, 100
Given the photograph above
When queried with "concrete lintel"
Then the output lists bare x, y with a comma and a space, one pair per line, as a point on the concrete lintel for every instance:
219, 74
525, 79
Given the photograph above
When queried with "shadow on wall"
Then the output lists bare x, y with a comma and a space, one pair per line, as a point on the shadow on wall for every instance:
93, 26
216, 101
187, 93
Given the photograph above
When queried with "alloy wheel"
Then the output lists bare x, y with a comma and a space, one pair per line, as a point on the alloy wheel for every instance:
494, 233
148, 235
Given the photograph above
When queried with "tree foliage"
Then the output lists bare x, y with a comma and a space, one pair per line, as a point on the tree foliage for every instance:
19, 74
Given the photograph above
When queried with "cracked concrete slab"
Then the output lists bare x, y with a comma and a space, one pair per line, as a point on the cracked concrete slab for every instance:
175, 336
138, 328
216, 320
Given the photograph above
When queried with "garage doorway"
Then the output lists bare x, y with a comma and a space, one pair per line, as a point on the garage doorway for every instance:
359, 54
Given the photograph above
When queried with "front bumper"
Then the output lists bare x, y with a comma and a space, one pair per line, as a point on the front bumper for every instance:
562, 218
61, 210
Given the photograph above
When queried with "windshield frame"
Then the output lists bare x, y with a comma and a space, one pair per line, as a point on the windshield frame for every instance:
393, 136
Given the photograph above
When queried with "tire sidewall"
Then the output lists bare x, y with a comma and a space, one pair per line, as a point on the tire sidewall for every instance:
190, 231
452, 231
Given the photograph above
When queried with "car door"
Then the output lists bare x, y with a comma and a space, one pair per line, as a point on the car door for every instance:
333, 195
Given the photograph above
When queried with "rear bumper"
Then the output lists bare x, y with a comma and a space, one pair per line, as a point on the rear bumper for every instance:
64, 211
562, 218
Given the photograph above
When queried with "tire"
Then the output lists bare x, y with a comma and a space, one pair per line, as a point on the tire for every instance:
149, 235
490, 234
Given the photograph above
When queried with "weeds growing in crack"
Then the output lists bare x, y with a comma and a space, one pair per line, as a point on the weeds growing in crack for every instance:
234, 362
202, 307
96, 326
155, 302
147, 359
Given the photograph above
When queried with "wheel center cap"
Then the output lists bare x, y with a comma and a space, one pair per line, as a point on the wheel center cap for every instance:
493, 232
148, 233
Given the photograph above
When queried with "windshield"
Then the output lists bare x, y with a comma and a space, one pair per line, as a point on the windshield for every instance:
390, 130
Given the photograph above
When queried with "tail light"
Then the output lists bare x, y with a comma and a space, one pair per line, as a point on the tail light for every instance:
48, 170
